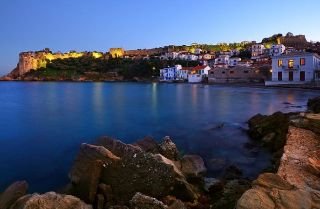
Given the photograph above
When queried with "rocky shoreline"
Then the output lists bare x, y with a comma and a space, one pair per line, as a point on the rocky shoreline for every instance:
110, 174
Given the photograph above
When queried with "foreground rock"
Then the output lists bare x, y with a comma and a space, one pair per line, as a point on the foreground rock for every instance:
140, 201
12, 193
296, 185
111, 172
49, 200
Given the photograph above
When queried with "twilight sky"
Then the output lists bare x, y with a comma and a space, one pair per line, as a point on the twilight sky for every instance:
64, 25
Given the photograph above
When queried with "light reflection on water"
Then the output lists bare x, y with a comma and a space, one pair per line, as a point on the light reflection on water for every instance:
43, 124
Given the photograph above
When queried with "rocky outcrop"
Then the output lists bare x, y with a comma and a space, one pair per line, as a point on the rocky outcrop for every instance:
49, 200
314, 105
111, 172
296, 184
12, 193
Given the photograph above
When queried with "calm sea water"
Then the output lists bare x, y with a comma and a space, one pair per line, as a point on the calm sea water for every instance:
43, 124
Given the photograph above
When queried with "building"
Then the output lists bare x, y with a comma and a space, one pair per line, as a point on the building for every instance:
257, 50
277, 49
170, 73
233, 61
295, 68
222, 61
237, 74
198, 74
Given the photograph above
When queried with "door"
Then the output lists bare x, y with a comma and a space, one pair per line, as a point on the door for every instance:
290, 76
279, 76
302, 76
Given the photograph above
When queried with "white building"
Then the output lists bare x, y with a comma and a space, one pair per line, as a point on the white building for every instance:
192, 57
172, 55
295, 68
234, 61
198, 73
222, 60
257, 50
277, 49
170, 73
198, 51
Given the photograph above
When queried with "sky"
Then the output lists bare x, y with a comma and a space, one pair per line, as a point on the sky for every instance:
63, 25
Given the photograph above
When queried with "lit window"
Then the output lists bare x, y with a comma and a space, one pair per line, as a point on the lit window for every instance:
302, 61
279, 63
290, 64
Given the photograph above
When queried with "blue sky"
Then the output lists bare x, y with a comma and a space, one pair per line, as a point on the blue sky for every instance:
63, 25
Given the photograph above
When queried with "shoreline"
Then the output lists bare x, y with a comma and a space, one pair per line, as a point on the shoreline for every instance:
249, 85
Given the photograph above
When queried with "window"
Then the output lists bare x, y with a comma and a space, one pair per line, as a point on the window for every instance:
290, 63
246, 71
231, 72
280, 62
223, 72
302, 61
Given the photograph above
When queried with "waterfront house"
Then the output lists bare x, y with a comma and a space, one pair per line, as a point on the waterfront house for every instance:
277, 50
198, 74
222, 61
170, 73
257, 50
238, 74
295, 68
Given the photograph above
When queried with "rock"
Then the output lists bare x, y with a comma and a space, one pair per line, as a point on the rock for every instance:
50, 200
153, 175
118, 207
12, 193
177, 204
148, 144
107, 193
270, 130
169, 149
87, 169
140, 201
314, 104
117, 147
193, 166
255, 199
271, 180
313, 166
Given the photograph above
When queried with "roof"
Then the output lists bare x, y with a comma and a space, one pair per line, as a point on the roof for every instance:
200, 67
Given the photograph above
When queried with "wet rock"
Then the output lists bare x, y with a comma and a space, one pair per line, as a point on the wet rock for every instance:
140, 201
50, 200
270, 130
12, 193
118, 207
169, 149
193, 166
314, 104
100, 201
117, 147
153, 175
174, 203
213, 185
87, 169
148, 144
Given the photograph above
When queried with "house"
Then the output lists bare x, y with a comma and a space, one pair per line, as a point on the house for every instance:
198, 51
233, 61
222, 61
238, 74
172, 55
170, 73
295, 68
198, 74
192, 57
277, 49
257, 50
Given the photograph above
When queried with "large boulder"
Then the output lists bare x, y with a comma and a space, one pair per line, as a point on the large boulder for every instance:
153, 175
12, 193
87, 169
193, 166
49, 200
270, 130
140, 201
314, 104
